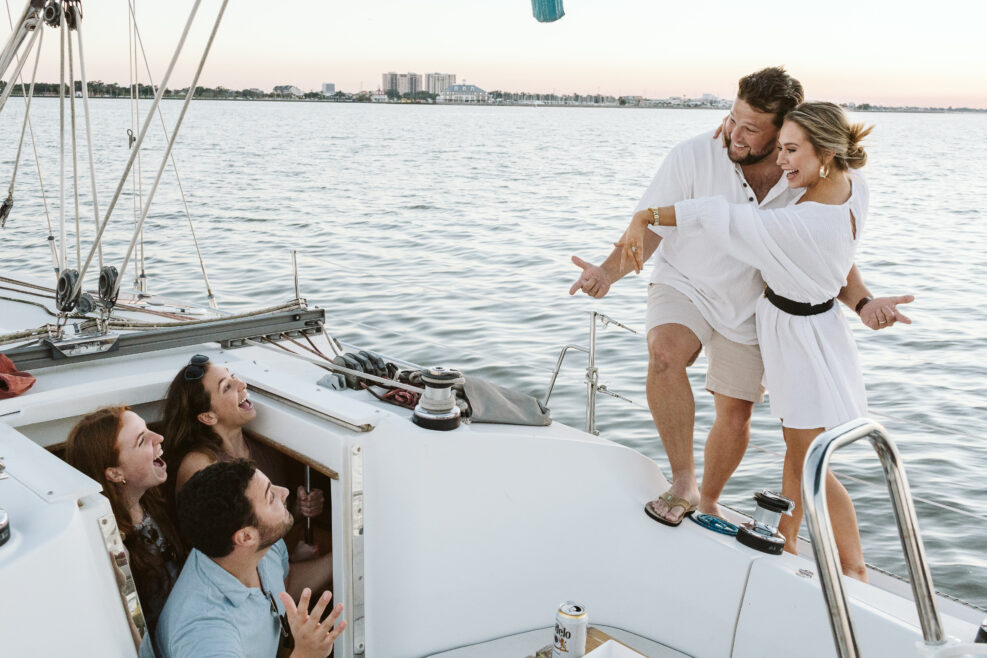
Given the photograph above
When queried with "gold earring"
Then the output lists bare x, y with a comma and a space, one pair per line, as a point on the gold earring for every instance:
123, 480
823, 171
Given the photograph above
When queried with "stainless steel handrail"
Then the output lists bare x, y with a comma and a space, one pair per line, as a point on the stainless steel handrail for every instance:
824, 543
592, 379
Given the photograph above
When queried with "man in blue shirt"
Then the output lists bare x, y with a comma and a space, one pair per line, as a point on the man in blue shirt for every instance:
230, 598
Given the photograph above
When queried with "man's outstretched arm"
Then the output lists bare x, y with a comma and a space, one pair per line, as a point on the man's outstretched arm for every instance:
879, 313
596, 280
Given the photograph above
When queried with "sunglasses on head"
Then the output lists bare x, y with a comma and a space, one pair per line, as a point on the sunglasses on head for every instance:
196, 367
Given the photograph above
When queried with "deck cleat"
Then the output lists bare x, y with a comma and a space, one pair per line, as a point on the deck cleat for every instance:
762, 533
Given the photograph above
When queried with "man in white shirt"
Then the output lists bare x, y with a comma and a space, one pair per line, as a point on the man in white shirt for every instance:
696, 303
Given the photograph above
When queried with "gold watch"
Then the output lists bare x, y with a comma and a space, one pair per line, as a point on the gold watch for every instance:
655, 217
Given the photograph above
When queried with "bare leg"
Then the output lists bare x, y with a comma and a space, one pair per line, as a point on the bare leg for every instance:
841, 511
671, 348
725, 448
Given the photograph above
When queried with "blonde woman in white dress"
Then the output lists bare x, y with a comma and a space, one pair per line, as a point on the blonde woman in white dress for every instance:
804, 252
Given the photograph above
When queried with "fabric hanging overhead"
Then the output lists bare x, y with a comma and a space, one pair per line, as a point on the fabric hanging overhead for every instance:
547, 11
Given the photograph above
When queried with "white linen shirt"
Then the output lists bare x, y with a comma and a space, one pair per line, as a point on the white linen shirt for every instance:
724, 289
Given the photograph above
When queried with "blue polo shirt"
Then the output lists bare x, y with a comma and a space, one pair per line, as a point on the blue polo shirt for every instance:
211, 613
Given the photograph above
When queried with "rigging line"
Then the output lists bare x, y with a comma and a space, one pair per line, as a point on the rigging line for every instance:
62, 31
89, 137
43, 295
27, 284
75, 156
640, 335
134, 122
918, 423
140, 278
27, 116
174, 165
30, 127
879, 485
137, 145
174, 135
329, 365
17, 70
32, 303
439, 345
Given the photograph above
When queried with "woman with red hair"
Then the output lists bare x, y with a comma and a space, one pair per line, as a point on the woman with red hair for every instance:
114, 447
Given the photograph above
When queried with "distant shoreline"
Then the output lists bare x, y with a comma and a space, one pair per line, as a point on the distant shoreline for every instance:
543, 104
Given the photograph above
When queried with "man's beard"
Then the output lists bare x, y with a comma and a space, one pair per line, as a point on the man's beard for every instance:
271, 534
751, 158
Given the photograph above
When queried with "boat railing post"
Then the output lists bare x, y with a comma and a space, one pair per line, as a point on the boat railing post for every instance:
558, 367
824, 543
592, 377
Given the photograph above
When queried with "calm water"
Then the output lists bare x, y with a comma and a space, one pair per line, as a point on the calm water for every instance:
443, 235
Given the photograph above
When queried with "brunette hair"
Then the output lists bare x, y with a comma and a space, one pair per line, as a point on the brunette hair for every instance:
771, 90
828, 130
213, 506
183, 432
92, 448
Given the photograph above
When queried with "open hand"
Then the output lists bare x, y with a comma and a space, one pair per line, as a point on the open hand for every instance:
313, 638
721, 131
310, 504
882, 312
593, 281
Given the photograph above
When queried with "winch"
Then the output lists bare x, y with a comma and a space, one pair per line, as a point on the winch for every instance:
762, 533
4, 527
437, 409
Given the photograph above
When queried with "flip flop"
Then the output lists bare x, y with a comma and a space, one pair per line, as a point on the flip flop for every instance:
672, 501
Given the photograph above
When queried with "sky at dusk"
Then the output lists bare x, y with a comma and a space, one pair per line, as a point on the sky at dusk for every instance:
864, 51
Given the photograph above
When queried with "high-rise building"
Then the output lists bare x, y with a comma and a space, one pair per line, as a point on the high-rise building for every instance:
328, 88
436, 82
402, 83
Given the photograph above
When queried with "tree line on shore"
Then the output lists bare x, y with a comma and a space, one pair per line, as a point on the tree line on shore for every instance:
100, 89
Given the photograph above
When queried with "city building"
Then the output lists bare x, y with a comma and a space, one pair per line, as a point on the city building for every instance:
402, 83
462, 94
389, 82
436, 82
288, 90
328, 88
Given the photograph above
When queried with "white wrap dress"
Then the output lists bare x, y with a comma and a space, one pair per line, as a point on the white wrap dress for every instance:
804, 252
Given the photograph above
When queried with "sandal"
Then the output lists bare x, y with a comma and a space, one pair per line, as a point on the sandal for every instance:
672, 501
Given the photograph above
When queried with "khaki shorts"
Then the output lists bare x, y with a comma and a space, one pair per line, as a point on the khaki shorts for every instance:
733, 369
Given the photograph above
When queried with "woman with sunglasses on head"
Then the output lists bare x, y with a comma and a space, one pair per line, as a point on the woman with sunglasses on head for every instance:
114, 447
205, 413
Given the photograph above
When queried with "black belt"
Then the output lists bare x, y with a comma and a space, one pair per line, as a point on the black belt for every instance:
793, 307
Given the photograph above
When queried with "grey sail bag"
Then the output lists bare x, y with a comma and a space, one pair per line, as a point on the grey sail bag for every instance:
489, 403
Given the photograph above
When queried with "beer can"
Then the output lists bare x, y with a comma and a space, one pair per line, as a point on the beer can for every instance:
571, 623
